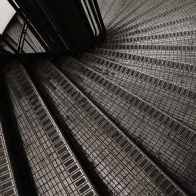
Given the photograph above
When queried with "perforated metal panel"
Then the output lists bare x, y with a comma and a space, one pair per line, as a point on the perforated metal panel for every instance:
54, 167
7, 181
169, 141
129, 104
124, 168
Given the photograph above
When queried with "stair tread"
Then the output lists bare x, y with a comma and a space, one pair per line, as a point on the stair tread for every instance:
185, 56
49, 155
128, 6
165, 42
149, 46
7, 181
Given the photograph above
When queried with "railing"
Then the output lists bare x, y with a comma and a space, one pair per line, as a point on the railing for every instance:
5, 43
60, 25
22, 38
94, 17
17, 40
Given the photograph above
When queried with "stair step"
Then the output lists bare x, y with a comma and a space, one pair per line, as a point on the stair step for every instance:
54, 166
172, 72
163, 137
137, 47
124, 168
181, 38
179, 104
183, 54
176, 41
180, 74
7, 181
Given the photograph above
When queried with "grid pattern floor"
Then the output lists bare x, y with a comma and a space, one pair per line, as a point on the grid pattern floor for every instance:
129, 105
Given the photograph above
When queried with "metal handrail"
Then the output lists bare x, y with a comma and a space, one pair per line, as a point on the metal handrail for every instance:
54, 37
8, 44
30, 26
96, 14
18, 47
22, 38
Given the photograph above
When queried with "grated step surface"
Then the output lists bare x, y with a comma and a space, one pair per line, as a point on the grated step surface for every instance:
7, 181
175, 100
169, 142
54, 167
123, 166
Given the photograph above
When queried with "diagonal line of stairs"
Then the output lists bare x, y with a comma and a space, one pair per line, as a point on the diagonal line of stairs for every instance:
53, 164
176, 72
102, 140
167, 140
118, 119
151, 89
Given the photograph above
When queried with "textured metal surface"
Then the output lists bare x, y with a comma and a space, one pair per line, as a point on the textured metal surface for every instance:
7, 182
54, 167
179, 98
170, 142
129, 105
120, 163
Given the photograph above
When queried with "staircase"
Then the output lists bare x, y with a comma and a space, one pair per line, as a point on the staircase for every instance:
118, 119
